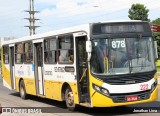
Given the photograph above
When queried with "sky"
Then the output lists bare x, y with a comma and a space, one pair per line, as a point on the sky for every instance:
59, 14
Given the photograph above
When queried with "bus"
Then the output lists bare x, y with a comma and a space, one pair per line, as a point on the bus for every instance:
101, 64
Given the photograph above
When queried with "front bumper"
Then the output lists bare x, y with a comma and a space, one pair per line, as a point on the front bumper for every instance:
99, 100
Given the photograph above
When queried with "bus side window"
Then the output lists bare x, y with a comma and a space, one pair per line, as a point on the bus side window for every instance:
28, 52
50, 47
66, 53
6, 54
19, 53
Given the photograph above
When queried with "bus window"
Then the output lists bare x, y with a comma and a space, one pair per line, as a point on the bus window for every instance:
118, 52
28, 52
6, 54
109, 56
19, 53
50, 46
66, 49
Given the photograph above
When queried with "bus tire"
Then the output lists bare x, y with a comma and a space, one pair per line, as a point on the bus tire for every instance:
22, 90
69, 98
0, 109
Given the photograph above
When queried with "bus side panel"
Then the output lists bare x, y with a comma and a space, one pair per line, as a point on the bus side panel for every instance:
29, 84
27, 74
52, 89
54, 80
51, 84
74, 88
17, 83
6, 75
5, 72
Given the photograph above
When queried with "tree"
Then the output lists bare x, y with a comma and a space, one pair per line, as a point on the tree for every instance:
0, 53
156, 35
156, 21
138, 12
0, 59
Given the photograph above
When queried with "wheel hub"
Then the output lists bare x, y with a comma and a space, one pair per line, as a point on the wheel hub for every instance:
22, 91
70, 98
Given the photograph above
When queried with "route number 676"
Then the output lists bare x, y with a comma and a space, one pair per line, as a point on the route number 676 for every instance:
144, 87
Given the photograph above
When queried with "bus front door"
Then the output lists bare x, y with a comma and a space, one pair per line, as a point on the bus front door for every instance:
82, 70
11, 61
38, 56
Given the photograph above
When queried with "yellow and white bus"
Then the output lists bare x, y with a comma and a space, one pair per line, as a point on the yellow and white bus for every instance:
100, 64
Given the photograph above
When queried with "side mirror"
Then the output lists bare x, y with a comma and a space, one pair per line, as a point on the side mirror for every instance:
88, 46
155, 48
88, 49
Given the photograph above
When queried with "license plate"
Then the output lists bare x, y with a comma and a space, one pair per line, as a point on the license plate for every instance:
132, 98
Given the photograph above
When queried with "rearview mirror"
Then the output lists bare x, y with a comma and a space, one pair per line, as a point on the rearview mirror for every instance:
88, 46
88, 49
155, 48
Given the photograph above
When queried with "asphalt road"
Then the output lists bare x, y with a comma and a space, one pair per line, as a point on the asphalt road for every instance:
12, 99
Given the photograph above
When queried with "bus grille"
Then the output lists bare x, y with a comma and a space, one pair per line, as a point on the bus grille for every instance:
129, 79
122, 98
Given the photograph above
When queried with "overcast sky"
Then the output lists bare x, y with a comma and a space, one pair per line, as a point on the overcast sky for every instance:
57, 14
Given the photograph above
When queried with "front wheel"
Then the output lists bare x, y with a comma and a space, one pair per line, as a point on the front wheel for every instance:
69, 98
22, 90
0, 109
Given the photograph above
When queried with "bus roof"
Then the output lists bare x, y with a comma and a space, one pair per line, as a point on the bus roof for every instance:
119, 21
84, 27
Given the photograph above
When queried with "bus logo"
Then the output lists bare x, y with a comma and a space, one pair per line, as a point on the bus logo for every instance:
130, 82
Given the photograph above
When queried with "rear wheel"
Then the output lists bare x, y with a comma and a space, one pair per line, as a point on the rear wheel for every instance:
69, 98
22, 90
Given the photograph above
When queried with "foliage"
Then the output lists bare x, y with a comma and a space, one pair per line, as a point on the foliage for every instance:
156, 21
138, 12
0, 53
158, 69
156, 36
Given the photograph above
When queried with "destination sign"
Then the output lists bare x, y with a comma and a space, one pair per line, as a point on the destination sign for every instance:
121, 28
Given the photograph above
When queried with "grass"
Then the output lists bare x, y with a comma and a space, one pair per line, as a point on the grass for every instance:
158, 68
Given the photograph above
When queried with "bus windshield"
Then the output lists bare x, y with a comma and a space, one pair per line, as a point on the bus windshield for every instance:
122, 55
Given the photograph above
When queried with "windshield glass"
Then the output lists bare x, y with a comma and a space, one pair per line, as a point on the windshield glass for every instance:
122, 55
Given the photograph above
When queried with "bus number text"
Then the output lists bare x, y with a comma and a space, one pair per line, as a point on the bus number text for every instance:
144, 87
118, 44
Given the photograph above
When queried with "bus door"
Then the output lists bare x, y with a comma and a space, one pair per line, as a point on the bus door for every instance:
82, 70
11, 63
38, 67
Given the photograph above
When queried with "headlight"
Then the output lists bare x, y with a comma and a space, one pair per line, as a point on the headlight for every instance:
97, 88
101, 90
154, 85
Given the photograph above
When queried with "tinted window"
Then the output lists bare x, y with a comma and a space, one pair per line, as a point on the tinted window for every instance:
50, 46
6, 54
28, 52
19, 53
66, 49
